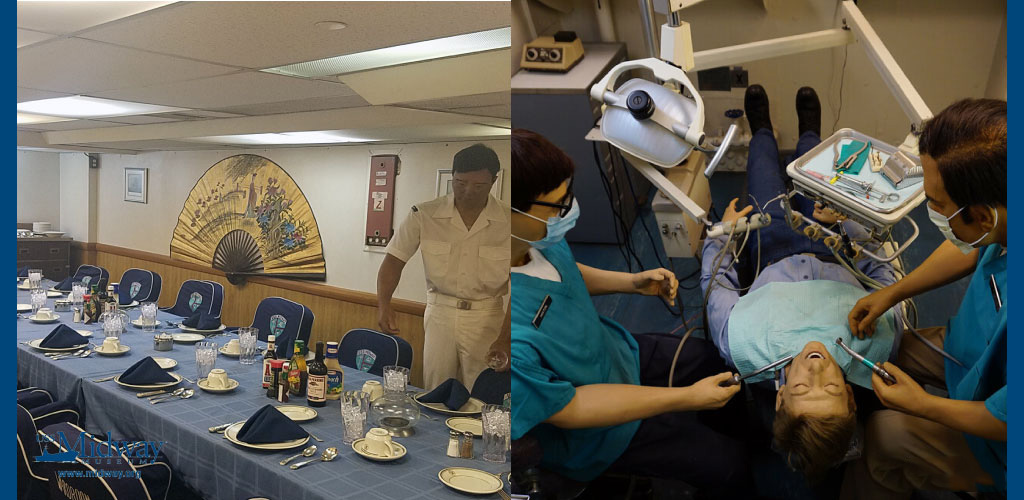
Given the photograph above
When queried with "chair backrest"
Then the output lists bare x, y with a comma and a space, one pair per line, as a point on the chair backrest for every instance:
105, 486
287, 320
370, 351
138, 284
31, 397
491, 386
218, 298
31, 479
194, 295
91, 275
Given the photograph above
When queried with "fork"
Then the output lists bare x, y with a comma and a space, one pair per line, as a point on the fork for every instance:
83, 354
104, 379
69, 355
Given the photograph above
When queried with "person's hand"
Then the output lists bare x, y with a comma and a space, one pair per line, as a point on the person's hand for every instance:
825, 215
708, 395
905, 395
731, 215
659, 281
499, 352
386, 319
864, 313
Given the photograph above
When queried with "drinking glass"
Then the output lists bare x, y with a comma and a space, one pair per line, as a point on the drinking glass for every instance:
497, 425
395, 378
354, 407
35, 278
247, 343
206, 358
148, 318
38, 298
77, 293
113, 325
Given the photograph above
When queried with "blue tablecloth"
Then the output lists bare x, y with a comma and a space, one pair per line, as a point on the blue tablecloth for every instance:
208, 462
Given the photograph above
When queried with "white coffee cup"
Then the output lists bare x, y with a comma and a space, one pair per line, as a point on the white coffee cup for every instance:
217, 379
374, 389
111, 344
378, 442
44, 313
26, 283
233, 346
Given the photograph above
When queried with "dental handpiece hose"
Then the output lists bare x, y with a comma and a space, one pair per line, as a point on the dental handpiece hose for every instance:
889, 379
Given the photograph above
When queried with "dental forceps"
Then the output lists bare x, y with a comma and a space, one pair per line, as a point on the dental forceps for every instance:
736, 378
850, 160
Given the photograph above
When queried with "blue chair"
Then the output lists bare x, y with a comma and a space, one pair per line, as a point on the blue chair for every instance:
491, 386
140, 285
32, 476
218, 296
196, 295
91, 275
286, 320
32, 397
370, 351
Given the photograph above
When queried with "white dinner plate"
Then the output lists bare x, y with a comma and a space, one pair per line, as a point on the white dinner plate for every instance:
165, 363
231, 433
188, 329
297, 413
35, 345
51, 295
54, 319
187, 338
137, 323
472, 407
466, 480
24, 287
230, 354
22, 308
359, 446
466, 424
84, 333
121, 349
150, 386
204, 384
62, 292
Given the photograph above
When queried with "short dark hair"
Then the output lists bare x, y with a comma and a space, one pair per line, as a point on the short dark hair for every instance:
476, 157
813, 444
538, 167
968, 142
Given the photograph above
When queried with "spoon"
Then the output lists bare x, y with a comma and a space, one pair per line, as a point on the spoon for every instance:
157, 398
328, 455
185, 395
83, 354
308, 452
62, 354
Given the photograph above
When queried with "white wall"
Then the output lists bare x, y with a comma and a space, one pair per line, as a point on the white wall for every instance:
946, 47
334, 180
39, 187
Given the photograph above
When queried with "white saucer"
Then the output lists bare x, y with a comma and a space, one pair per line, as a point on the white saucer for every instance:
23, 287
35, 345
126, 306
122, 349
468, 480
54, 319
187, 338
137, 323
204, 384
189, 329
231, 434
360, 449
224, 351
472, 407
466, 424
165, 363
161, 385
62, 292
51, 295
24, 308
297, 413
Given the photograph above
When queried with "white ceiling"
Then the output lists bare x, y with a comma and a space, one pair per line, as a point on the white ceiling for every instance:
206, 56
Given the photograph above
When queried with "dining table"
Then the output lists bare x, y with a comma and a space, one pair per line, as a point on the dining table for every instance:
210, 464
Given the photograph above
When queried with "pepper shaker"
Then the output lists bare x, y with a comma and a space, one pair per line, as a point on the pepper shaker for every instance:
467, 445
453, 444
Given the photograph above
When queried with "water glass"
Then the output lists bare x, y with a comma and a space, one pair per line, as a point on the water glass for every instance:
206, 357
497, 431
113, 325
77, 293
35, 278
38, 298
148, 318
354, 407
395, 378
247, 343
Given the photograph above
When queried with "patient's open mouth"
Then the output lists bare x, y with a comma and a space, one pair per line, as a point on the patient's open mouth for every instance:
815, 355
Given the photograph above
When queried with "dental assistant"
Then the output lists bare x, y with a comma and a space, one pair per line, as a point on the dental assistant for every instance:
582, 385
956, 442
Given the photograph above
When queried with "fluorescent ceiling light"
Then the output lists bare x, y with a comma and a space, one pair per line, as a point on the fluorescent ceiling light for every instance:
28, 118
317, 137
90, 107
469, 43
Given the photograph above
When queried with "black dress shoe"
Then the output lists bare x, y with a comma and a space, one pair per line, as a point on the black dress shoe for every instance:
755, 104
808, 110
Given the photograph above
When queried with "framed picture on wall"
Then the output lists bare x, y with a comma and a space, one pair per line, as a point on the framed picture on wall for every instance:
444, 183
135, 184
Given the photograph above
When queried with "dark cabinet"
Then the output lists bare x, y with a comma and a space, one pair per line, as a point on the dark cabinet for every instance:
52, 255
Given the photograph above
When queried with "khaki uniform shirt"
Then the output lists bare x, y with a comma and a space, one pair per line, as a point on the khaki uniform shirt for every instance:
470, 264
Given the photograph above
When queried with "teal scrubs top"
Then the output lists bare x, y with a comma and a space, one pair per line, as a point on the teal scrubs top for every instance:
977, 337
571, 346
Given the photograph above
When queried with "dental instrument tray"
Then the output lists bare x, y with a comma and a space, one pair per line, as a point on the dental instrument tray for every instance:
869, 196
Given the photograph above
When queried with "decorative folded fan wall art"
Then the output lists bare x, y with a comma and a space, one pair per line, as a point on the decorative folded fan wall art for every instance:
247, 217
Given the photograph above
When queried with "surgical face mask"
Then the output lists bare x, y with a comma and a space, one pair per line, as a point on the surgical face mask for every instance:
556, 227
942, 222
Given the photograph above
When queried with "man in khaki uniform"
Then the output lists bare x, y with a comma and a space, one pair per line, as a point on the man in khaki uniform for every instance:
464, 239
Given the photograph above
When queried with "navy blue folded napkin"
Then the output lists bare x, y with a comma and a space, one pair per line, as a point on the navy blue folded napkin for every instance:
23, 272
269, 425
65, 285
202, 321
63, 337
451, 392
145, 372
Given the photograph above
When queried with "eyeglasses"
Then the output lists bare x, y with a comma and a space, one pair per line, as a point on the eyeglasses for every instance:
566, 203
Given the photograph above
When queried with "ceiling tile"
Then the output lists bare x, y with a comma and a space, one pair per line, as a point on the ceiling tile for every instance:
61, 18
27, 37
71, 125
139, 119
315, 104
466, 101
26, 94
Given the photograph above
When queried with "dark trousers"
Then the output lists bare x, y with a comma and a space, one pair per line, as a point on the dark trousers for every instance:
699, 448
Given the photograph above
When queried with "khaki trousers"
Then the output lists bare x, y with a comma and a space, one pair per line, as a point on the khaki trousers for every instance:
902, 452
456, 341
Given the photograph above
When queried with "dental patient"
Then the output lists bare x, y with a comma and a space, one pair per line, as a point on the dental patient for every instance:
797, 305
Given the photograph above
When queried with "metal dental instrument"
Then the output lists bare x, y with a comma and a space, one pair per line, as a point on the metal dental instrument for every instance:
736, 378
850, 160
889, 379
867, 188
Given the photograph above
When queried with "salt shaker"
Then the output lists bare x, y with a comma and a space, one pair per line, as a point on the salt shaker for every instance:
78, 315
453, 444
467, 445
